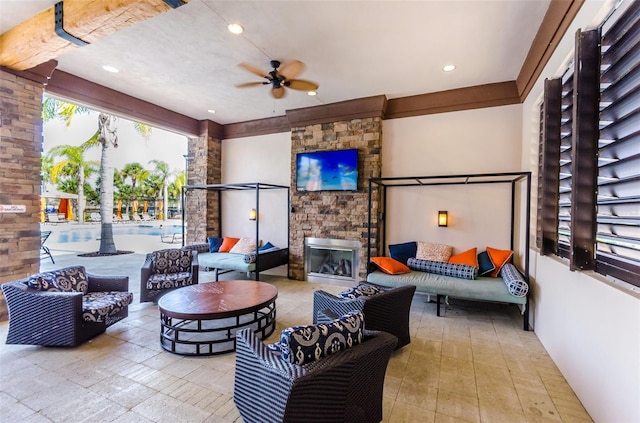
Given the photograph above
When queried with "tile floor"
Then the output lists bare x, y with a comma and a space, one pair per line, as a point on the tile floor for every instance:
473, 365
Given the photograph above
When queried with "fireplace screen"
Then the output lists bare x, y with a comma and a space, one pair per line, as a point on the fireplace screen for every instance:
327, 259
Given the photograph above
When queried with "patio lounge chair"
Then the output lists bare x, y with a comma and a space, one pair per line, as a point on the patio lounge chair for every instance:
56, 218
44, 250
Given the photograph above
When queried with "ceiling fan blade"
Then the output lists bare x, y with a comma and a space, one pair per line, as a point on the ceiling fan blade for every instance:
250, 84
278, 92
291, 69
302, 85
253, 70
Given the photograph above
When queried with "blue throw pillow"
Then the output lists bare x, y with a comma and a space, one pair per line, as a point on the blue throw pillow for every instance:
486, 264
403, 252
214, 244
266, 246
514, 280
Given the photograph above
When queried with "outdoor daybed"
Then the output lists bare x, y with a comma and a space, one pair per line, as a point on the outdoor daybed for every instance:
488, 276
248, 263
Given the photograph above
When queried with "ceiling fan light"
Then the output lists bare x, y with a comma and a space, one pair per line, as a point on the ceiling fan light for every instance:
449, 68
235, 28
312, 93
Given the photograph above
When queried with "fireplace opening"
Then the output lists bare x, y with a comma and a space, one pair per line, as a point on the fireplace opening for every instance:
331, 260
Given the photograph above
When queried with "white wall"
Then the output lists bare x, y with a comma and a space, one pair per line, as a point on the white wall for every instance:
471, 141
590, 328
265, 159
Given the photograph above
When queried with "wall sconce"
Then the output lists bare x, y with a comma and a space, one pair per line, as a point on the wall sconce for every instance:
443, 218
253, 214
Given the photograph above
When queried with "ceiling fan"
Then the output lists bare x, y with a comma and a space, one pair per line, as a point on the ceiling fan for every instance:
279, 79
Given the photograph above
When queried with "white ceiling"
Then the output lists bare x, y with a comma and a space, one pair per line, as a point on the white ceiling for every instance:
185, 59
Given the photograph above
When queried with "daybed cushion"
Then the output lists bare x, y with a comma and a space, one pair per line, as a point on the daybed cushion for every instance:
499, 259
97, 306
68, 279
228, 261
432, 251
244, 246
390, 266
483, 288
442, 268
304, 344
514, 280
485, 264
214, 244
227, 244
469, 257
403, 252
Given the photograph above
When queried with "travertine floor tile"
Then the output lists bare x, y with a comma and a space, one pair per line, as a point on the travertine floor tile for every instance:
475, 364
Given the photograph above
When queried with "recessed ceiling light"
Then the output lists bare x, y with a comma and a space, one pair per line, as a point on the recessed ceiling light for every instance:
312, 93
235, 28
449, 68
211, 111
110, 69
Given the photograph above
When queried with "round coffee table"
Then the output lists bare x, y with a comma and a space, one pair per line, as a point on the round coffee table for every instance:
203, 319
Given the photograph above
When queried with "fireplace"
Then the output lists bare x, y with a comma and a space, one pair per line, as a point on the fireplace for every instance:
331, 260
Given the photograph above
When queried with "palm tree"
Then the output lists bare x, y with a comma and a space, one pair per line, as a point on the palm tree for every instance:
162, 170
136, 173
74, 165
175, 189
106, 136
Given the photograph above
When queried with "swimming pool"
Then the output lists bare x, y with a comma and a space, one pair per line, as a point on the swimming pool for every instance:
92, 233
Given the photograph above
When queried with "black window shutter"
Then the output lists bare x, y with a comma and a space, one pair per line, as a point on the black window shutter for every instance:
586, 96
550, 168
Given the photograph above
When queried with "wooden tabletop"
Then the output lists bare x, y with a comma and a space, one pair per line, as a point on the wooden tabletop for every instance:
217, 300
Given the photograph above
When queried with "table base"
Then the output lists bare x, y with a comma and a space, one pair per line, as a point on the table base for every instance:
204, 337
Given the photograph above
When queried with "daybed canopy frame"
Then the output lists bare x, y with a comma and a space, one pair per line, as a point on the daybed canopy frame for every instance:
257, 187
512, 178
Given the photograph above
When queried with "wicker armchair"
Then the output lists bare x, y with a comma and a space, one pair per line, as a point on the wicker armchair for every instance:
39, 317
386, 311
166, 270
344, 387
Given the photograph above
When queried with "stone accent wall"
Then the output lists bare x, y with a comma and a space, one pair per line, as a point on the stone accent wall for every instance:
20, 150
330, 214
203, 168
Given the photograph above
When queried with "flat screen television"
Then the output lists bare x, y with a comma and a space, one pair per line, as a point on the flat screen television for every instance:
333, 170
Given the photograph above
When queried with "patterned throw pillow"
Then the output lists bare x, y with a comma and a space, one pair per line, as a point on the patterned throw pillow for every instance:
360, 290
171, 260
68, 279
244, 246
461, 271
514, 280
433, 252
304, 344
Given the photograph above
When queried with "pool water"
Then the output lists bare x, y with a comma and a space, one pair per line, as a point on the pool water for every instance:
93, 233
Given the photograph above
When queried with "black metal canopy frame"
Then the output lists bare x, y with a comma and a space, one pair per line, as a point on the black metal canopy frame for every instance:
248, 186
512, 178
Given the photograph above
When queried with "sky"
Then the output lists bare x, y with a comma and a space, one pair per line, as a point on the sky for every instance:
132, 147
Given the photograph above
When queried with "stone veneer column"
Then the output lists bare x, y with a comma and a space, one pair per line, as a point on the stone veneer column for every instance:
20, 150
203, 168
331, 214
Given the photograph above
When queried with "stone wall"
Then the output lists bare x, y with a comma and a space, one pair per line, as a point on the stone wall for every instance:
20, 149
204, 167
334, 214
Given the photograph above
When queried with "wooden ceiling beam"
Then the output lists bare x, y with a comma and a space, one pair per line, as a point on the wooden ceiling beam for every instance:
35, 41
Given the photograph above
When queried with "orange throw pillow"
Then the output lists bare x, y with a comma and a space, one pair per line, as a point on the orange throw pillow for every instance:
469, 257
227, 244
499, 258
390, 266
